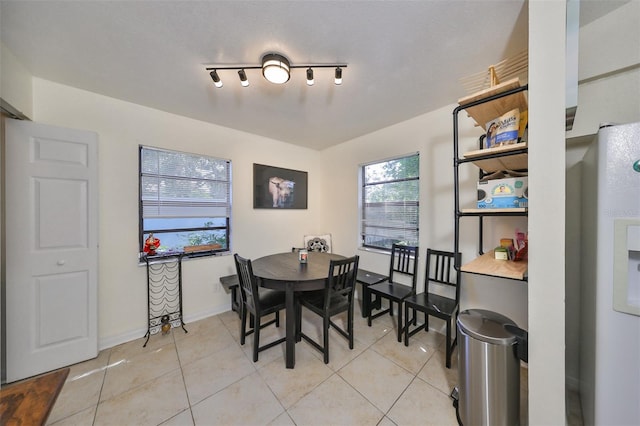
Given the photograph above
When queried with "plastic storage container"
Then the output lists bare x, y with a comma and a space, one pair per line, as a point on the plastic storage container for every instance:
489, 369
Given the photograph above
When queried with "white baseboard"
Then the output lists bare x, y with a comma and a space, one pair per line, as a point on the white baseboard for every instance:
111, 341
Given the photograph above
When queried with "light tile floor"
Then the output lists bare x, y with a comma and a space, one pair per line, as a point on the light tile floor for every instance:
205, 377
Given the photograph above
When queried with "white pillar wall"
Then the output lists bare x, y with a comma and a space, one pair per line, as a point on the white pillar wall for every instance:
547, 27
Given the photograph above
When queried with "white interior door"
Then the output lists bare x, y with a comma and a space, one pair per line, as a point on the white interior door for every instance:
51, 247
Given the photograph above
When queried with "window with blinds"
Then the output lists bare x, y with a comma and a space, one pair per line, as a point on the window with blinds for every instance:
185, 201
390, 195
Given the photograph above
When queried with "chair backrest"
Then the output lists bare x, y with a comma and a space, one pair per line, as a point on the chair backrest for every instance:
321, 243
404, 260
248, 282
342, 278
441, 269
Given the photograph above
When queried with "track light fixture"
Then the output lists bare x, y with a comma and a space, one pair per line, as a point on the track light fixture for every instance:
275, 68
215, 78
309, 77
243, 78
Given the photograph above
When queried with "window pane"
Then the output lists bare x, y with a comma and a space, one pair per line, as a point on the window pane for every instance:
390, 202
175, 241
157, 224
407, 167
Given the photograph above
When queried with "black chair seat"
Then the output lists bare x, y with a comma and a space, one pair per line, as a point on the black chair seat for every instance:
394, 291
337, 303
438, 306
270, 300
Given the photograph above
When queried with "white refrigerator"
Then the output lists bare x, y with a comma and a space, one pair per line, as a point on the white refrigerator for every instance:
610, 278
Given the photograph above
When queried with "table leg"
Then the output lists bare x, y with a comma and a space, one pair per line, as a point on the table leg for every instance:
291, 326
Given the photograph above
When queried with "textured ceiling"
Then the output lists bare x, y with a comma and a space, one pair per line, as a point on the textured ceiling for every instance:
404, 58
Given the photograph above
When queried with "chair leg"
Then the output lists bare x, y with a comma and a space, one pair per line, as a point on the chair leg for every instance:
399, 321
350, 326
407, 322
426, 322
277, 318
448, 343
325, 333
365, 301
243, 324
256, 339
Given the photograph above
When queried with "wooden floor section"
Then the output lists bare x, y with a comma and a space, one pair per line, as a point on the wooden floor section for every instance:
29, 402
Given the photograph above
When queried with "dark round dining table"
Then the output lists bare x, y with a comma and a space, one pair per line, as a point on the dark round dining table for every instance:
283, 271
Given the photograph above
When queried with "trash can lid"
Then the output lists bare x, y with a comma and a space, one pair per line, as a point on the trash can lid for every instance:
486, 326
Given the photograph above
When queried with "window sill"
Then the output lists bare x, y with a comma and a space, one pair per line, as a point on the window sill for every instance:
171, 256
375, 250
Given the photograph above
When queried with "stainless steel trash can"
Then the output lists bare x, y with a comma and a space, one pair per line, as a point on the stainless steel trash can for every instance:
489, 370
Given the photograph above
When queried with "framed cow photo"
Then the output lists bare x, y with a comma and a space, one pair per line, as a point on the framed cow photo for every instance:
278, 188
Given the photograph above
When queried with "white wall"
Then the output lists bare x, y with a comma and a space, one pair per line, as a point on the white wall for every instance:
15, 82
609, 71
122, 127
546, 212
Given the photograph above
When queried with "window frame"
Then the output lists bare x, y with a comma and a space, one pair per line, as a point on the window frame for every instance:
141, 229
362, 204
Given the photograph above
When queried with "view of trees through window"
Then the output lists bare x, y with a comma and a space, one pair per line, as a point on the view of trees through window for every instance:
390, 202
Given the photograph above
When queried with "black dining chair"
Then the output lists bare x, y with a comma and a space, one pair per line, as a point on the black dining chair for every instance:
403, 262
258, 302
440, 272
336, 298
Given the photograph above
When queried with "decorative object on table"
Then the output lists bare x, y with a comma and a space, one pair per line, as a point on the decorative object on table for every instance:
321, 243
151, 244
302, 255
278, 188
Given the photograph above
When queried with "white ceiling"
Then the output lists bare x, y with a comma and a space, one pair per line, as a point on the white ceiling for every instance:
405, 58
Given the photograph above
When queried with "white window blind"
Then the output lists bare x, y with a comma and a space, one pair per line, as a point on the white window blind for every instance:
182, 184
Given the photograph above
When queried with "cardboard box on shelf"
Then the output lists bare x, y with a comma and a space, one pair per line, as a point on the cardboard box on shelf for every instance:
503, 193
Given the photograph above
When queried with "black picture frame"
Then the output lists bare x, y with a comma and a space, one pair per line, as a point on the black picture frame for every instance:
279, 188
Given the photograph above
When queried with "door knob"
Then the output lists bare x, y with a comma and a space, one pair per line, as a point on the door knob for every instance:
61, 262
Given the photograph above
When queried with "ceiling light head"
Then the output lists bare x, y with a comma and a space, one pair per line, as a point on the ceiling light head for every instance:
243, 78
310, 77
275, 68
338, 79
215, 78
